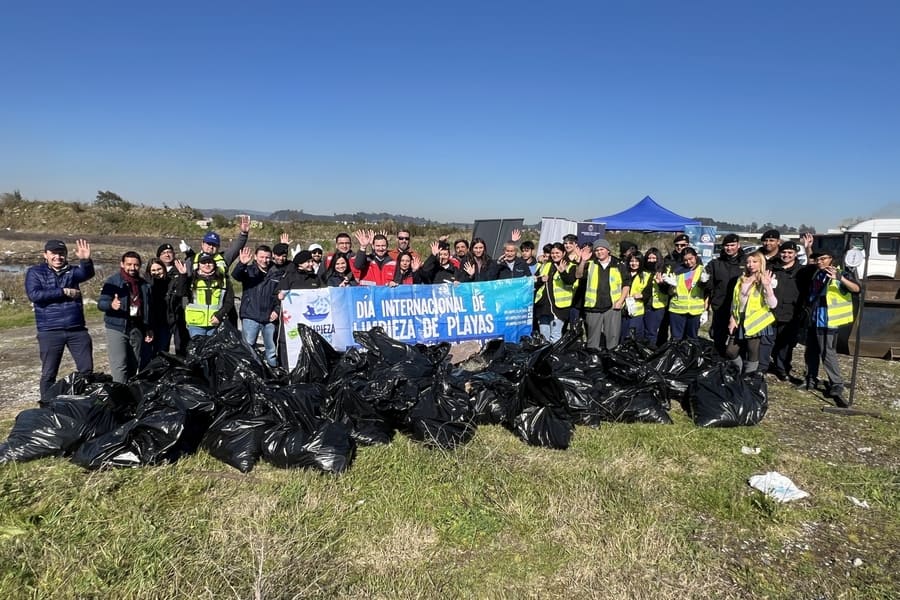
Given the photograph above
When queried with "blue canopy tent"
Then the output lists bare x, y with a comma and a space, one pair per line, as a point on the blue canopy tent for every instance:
646, 215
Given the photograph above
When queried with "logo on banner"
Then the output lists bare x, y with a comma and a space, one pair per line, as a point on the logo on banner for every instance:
318, 310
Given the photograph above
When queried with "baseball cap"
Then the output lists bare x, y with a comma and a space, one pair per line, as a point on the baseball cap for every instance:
302, 257
731, 238
162, 248
771, 234
206, 257
56, 246
280, 249
212, 238
314, 247
682, 237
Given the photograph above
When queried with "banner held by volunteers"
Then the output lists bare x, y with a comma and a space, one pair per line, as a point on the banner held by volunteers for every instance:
425, 314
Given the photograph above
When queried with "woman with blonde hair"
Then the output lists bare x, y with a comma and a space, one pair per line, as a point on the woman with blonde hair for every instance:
752, 318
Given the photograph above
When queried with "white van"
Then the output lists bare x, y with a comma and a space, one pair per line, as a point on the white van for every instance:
884, 246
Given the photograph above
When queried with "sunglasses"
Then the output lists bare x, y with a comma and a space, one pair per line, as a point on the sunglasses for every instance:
402, 237
682, 245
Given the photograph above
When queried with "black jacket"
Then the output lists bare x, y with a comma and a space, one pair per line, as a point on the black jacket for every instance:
724, 272
787, 292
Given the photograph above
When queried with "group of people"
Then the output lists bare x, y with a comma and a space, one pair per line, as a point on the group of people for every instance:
759, 302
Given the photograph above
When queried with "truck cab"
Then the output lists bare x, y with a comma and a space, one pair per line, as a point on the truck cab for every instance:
884, 246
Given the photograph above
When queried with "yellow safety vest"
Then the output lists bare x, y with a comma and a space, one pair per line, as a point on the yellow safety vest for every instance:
839, 304
560, 293
684, 301
638, 283
657, 298
221, 265
757, 314
198, 313
593, 282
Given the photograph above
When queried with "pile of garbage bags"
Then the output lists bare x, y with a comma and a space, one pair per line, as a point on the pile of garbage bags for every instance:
223, 398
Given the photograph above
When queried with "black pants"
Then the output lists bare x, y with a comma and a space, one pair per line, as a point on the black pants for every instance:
52, 344
783, 350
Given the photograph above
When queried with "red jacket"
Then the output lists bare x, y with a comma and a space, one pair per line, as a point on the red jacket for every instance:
373, 271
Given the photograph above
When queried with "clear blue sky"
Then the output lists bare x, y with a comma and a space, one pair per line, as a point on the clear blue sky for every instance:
740, 111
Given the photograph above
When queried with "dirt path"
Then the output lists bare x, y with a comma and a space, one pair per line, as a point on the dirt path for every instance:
20, 366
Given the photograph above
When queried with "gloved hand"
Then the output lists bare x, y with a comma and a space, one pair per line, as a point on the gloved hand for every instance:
296, 250
670, 279
630, 306
704, 317
704, 277
183, 246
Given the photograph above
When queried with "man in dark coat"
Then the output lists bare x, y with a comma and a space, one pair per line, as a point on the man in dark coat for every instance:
724, 271
52, 287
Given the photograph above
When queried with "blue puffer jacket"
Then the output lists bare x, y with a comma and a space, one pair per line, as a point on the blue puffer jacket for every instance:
53, 310
258, 298
119, 319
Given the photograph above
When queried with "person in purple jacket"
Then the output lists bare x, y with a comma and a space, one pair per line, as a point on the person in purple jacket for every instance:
53, 288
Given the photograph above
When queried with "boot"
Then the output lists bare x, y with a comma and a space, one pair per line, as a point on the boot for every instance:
837, 394
810, 384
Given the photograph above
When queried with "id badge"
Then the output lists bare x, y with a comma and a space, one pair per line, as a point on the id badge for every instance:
132, 310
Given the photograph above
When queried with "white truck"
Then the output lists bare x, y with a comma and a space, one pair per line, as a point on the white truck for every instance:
884, 246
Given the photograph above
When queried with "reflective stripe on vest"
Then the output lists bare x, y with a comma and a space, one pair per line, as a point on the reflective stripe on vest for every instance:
658, 299
757, 314
593, 282
686, 302
560, 294
839, 304
638, 283
198, 313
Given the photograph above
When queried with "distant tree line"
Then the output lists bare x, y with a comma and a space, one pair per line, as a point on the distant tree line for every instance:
754, 227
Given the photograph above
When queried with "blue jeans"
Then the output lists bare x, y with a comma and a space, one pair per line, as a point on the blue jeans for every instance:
51, 345
684, 326
196, 330
251, 331
550, 327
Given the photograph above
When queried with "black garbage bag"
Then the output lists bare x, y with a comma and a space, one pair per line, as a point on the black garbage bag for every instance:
150, 440
225, 359
540, 386
350, 407
721, 397
443, 415
495, 398
389, 352
190, 397
162, 365
328, 448
317, 358
641, 402
579, 378
237, 440
38, 432
540, 426
331, 448
299, 404
93, 416
679, 362
78, 384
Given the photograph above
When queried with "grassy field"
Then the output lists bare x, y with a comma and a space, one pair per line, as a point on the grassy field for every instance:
629, 511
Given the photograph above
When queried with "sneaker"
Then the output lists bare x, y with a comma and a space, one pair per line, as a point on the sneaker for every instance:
795, 381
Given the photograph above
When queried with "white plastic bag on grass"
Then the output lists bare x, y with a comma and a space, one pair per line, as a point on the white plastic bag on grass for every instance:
777, 486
